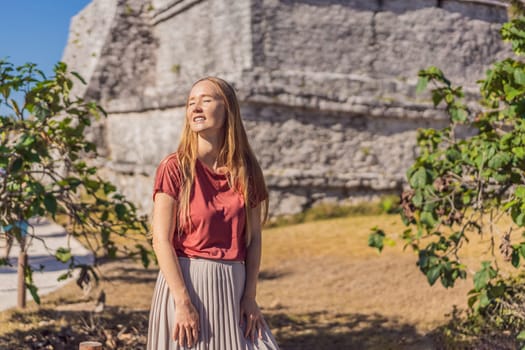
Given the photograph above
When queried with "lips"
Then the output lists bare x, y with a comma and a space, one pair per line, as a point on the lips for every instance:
198, 119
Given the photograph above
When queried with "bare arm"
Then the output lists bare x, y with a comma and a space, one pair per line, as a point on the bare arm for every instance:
250, 312
253, 255
186, 317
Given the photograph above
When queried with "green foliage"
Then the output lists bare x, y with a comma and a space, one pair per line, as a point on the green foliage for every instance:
390, 204
499, 325
516, 8
378, 239
43, 166
460, 179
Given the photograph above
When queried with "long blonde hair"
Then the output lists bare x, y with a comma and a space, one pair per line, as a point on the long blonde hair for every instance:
245, 174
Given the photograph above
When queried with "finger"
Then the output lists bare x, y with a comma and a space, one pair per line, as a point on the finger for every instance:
195, 333
252, 328
189, 337
176, 332
261, 325
182, 336
249, 324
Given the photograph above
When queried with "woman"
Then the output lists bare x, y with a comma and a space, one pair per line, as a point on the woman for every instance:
208, 202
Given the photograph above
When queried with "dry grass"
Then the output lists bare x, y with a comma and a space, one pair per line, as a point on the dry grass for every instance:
321, 287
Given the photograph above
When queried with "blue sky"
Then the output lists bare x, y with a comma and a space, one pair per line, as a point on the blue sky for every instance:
36, 30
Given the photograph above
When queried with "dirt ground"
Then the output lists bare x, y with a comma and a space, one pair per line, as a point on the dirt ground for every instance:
321, 287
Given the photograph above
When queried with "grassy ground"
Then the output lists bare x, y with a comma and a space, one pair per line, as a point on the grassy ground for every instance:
320, 287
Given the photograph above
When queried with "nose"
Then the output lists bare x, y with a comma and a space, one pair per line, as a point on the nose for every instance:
197, 106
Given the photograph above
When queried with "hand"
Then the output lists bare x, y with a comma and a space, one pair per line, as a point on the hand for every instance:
253, 319
186, 330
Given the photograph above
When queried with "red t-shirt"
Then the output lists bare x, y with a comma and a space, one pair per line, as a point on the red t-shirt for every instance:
217, 212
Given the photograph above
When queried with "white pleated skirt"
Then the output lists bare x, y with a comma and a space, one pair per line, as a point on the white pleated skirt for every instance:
215, 288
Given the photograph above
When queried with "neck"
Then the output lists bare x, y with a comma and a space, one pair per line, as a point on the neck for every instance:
208, 149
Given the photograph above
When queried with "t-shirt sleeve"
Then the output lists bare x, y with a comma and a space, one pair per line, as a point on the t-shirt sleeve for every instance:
168, 178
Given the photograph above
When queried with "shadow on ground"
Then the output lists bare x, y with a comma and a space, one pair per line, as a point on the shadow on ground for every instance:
120, 329
322, 330
64, 330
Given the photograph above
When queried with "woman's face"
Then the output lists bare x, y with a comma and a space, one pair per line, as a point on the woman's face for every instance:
205, 110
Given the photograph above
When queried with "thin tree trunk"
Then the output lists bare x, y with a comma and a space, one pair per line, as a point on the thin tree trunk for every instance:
22, 263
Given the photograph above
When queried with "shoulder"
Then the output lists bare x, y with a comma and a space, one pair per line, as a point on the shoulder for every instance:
171, 162
168, 178
172, 158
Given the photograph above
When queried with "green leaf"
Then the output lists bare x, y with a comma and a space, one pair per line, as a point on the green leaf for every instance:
520, 192
484, 300
144, 255
522, 249
499, 160
515, 259
427, 218
92, 184
376, 239
79, 77
17, 165
121, 211
389, 242
483, 276
509, 204
63, 254
518, 216
422, 84
28, 140
420, 178
453, 155
519, 152
472, 300
64, 276
108, 188
50, 203
466, 198
521, 336
433, 274
456, 237
519, 76
437, 97
34, 292
511, 93
458, 114
417, 200
15, 107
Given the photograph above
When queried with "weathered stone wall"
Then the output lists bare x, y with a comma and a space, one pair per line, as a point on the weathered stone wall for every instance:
87, 35
377, 38
327, 87
312, 156
210, 36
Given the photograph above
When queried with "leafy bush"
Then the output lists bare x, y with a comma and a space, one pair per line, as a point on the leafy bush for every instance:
45, 172
500, 325
467, 177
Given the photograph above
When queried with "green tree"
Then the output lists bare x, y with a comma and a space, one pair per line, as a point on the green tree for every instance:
468, 176
45, 171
